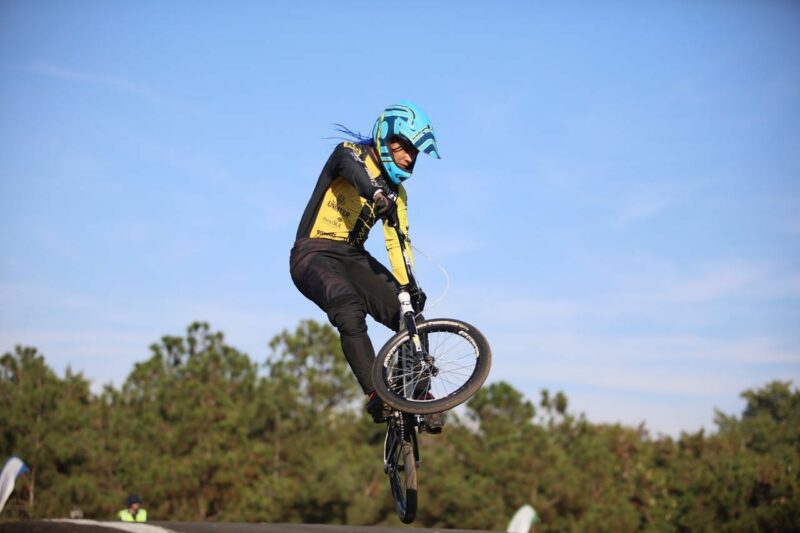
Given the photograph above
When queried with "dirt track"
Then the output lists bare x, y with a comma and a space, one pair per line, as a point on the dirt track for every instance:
90, 526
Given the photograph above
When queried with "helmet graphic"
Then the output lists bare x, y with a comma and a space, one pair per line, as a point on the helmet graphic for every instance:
405, 120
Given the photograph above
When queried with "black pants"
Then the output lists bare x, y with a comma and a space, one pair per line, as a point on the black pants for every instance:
347, 283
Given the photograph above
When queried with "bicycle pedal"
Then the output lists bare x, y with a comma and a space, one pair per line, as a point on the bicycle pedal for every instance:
424, 428
433, 424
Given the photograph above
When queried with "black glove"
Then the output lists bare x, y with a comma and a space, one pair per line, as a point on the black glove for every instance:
418, 299
384, 206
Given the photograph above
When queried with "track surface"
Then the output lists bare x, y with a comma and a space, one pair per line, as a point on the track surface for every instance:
91, 526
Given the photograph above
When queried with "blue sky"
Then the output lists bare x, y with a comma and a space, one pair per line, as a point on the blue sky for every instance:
618, 203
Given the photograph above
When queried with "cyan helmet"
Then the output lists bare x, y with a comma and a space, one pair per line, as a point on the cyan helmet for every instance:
405, 120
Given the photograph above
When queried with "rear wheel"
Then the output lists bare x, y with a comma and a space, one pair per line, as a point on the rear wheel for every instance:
455, 363
401, 466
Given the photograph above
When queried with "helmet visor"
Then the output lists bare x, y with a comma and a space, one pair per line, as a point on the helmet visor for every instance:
425, 142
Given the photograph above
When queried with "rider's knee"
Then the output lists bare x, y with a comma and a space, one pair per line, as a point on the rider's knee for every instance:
348, 316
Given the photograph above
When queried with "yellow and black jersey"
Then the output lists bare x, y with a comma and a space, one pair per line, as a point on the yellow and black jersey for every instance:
341, 206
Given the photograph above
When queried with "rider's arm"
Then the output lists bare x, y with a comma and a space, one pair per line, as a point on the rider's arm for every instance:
350, 166
393, 245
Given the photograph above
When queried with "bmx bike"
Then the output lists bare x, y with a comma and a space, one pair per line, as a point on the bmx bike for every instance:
428, 367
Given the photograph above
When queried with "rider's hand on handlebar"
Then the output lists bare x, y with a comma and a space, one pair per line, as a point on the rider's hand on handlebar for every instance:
384, 206
418, 299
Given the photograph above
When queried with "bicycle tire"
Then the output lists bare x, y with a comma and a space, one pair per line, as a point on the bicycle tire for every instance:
402, 470
444, 399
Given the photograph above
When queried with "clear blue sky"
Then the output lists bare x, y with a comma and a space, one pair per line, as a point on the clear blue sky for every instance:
618, 202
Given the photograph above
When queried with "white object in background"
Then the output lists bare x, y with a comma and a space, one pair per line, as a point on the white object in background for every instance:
14, 467
523, 519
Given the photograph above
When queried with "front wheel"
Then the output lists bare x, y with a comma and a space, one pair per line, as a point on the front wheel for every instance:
455, 362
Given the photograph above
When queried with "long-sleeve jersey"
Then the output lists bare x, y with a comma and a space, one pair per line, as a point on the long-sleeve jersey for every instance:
341, 207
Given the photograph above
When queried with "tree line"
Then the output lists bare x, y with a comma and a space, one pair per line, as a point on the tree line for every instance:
203, 432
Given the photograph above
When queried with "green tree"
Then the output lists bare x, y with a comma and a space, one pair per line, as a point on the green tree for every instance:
186, 415
204, 433
483, 466
45, 421
310, 360
319, 460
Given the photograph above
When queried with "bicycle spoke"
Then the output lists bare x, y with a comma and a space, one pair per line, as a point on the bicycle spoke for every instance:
454, 367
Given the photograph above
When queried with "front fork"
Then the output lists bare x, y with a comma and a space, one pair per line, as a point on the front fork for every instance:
409, 320
416, 362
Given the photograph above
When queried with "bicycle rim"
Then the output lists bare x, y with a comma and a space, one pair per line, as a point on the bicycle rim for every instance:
458, 363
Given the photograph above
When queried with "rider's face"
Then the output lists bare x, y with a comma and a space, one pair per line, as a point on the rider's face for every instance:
403, 152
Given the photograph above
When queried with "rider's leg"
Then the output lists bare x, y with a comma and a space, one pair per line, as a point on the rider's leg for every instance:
348, 315
378, 288
323, 278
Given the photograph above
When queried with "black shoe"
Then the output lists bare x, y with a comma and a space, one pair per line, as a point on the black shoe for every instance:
375, 409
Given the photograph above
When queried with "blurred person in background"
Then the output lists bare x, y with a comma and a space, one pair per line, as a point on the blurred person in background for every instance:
133, 511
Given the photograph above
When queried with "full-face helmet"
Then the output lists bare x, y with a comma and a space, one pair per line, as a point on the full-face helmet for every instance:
407, 121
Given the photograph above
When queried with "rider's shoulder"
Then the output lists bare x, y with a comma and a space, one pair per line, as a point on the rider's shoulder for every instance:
359, 150
350, 151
